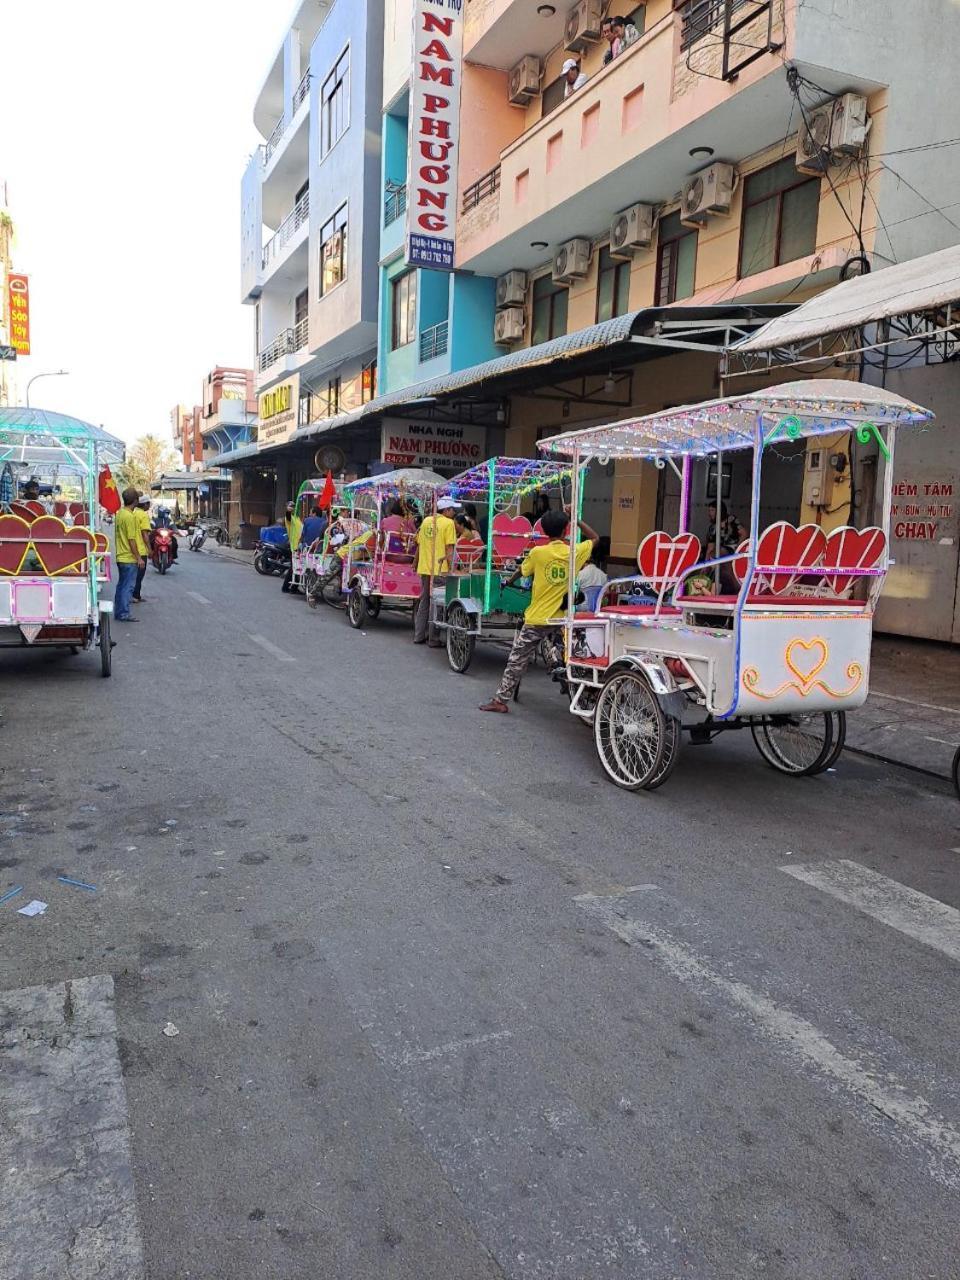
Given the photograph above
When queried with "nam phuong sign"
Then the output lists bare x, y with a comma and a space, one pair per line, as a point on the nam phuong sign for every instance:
437, 445
434, 133
18, 298
277, 412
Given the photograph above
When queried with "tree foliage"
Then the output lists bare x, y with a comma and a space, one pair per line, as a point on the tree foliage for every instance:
147, 460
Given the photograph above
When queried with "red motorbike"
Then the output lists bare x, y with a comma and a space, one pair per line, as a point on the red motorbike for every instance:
162, 549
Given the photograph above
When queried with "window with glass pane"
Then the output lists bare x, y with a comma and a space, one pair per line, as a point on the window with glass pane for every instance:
333, 251
404, 291
613, 286
301, 304
549, 310
638, 17
676, 260
334, 103
780, 209
552, 96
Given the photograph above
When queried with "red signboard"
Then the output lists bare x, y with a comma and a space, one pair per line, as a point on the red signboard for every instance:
18, 293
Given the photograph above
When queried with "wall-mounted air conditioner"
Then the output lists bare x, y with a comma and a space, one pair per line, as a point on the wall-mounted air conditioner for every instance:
707, 192
525, 80
511, 289
582, 27
571, 261
813, 140
631, 229
508, 326
849, 126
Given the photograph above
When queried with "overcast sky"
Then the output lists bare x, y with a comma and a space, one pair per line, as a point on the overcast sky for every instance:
125, 132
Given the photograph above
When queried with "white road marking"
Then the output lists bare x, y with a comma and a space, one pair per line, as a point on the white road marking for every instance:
453, 1046
199, 598
617, 893
914, 1118
930, 706
280, 654
892, 903
944, 742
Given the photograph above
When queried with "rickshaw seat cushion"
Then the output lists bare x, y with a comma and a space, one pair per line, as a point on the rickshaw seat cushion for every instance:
769, 601
629, 610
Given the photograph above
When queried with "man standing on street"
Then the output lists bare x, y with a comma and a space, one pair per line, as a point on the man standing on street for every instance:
436, 539
143, 516
131, 555
548, 566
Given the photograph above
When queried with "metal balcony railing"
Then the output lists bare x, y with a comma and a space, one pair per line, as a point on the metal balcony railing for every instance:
287, 340
433, 341
482, 189
302, 89
294, 220
700, 16
394, 204
274, 140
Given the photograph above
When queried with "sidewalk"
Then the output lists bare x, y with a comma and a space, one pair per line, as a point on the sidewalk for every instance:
912, 715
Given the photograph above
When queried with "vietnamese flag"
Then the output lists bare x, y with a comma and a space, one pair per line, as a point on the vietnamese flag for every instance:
107, 492
328, 494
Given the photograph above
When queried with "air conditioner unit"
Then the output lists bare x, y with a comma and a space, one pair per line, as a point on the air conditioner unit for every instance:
813, 140
525, 80
571, 261
709, 191
508, 326
511, 289
848, 129
583, 26
631, 229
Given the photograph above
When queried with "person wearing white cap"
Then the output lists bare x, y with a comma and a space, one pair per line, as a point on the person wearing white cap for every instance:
146, 525
436, 539
574, 77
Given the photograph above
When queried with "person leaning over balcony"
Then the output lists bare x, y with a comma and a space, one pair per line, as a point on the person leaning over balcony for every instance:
607, 33
625, 34
574, 77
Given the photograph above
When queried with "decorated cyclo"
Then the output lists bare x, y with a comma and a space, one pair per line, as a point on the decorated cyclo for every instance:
54, 562
379, 555
481, 601
307, 560
788, 653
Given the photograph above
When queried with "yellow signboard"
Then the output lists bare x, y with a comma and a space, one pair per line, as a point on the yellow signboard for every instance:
278, 412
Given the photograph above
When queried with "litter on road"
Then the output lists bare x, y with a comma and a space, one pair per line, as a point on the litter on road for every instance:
34, 908
11, 893
77, 884
171, 1029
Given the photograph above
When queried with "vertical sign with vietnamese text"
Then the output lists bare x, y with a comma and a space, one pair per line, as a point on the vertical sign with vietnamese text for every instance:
434, 133
18, 296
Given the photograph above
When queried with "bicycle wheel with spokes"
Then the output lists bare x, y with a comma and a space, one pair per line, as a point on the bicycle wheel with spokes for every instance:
630, 732
357, 608
798, 743
839, 725
461, 642
330, 588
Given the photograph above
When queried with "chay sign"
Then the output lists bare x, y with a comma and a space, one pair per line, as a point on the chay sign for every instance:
437, 445
434, 133
277, 411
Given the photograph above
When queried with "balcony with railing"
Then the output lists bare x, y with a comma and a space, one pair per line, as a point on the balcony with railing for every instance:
483, 189
285, 343
300, 93
273, 141
434, 341
298, 217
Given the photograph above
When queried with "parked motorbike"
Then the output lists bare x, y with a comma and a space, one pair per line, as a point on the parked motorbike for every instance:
272, 558
162, 551
198, 537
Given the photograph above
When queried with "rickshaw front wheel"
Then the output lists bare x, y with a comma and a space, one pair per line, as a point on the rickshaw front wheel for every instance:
106, 648
631, 733
461, 642
357, 608
800, 744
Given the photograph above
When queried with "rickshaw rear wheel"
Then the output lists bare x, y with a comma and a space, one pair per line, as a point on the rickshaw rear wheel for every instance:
800, 744
461, 643
631, 734
672, 741
106, 648
956, 773
373, 607
357, 608
839, 719
330, 586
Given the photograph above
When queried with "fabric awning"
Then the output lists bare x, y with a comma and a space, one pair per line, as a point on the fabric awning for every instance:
187, 481
922, 284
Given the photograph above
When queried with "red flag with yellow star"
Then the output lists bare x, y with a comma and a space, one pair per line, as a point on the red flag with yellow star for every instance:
107, 492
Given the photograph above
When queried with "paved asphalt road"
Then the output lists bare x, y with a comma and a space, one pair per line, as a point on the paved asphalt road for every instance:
450, 1006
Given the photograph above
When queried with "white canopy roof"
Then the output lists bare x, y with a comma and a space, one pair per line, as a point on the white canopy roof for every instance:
810, 407
918, 285
406, 479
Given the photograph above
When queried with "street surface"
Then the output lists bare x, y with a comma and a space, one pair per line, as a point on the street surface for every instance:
449, 1005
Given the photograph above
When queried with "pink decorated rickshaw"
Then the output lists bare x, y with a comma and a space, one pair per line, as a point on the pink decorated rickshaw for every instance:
668, 651
54, 557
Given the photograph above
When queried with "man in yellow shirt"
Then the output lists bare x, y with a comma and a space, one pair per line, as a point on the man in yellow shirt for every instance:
436, 539
131, 555
549, 567
146, 524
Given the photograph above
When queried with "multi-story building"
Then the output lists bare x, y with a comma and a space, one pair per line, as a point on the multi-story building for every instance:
311, 227
8, 368
187, 435
228, 414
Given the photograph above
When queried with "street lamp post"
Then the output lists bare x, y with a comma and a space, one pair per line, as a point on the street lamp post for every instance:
54, 373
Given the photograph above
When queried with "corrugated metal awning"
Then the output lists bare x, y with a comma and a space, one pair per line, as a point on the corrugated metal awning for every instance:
922, 284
